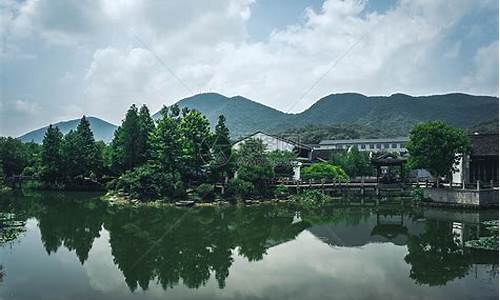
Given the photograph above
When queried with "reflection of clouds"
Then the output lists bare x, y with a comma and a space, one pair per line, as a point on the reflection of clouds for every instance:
101, 270
307, 268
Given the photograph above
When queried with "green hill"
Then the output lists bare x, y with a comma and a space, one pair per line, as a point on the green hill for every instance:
243, 116
348, 114
392, 115
103, 131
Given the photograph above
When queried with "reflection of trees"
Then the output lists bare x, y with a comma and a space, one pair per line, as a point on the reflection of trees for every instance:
170, 244
74, 223
435, 256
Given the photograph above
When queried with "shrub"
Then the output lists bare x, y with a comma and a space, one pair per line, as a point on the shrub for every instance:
146, 182
205, 191
418, 194
239, 188
323, 171
281, 191
311, 199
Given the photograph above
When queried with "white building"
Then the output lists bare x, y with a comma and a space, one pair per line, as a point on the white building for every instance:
392, 145
272, 142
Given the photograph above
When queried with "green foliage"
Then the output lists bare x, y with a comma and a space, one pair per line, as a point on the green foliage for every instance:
195, 132
254, 166
489, 242
281, 191
13, 155
239, 188
145, 182
311, 199
436, 147
168, 141
324, 171
418, 194
126, 144
222, 163
354, 163
52, 156
205, 191
282, 162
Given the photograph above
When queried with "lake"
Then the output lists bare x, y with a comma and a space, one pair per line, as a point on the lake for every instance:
73, 246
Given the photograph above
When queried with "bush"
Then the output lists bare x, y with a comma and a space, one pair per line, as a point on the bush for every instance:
323, 171
205, 191
418, 194
281, 191
146, 182
239, 188
311, 199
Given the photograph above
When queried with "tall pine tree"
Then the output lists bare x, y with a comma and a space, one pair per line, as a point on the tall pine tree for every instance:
52, 157
167, 141
197, 138
80, 151
125, 144
146, 131
222, 163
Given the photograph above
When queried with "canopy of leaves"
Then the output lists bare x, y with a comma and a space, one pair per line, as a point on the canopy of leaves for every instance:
323, 171
437, 147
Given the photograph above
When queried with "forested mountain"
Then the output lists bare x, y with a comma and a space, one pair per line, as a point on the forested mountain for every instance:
102, 130
376, 116
243, 116
398, 111
348, 114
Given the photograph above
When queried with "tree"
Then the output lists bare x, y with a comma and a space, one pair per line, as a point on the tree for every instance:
195, 130
167, 141
146, 130
88, 152
126, 142
222, 163
52, 156
13, 156
282, 162
437, 147
323, 171
254, 165
81, 155
353, 162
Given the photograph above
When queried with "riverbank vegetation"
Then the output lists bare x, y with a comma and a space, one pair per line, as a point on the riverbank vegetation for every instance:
179, 156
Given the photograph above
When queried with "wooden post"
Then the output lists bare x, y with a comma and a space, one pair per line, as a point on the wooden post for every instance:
478, 185
463, 184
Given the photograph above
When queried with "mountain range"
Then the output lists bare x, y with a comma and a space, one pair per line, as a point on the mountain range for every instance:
393, 114
103, 130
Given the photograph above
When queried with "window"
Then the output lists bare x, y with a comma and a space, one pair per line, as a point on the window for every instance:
372, 146
394, 145
386, 145
363, 146
379, 146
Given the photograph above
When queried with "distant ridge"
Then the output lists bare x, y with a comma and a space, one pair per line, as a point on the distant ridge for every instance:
103, 130
398, 112
390, 115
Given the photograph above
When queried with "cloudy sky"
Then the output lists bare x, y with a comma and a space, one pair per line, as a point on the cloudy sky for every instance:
61, 59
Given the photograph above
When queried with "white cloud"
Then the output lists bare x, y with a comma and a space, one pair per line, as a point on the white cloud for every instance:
408, 48
484, 76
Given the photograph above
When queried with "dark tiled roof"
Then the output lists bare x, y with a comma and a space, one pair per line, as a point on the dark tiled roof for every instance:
484, 144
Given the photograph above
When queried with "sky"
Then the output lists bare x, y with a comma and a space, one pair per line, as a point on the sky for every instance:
61, 59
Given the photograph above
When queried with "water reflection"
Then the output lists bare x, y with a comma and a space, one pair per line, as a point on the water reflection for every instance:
173, 246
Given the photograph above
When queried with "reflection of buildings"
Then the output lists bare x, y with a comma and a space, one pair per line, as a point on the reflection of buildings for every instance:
380, 227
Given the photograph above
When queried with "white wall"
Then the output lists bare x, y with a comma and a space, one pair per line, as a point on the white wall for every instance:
271, 143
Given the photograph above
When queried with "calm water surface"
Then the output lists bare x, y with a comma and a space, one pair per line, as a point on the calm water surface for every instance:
70, 246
